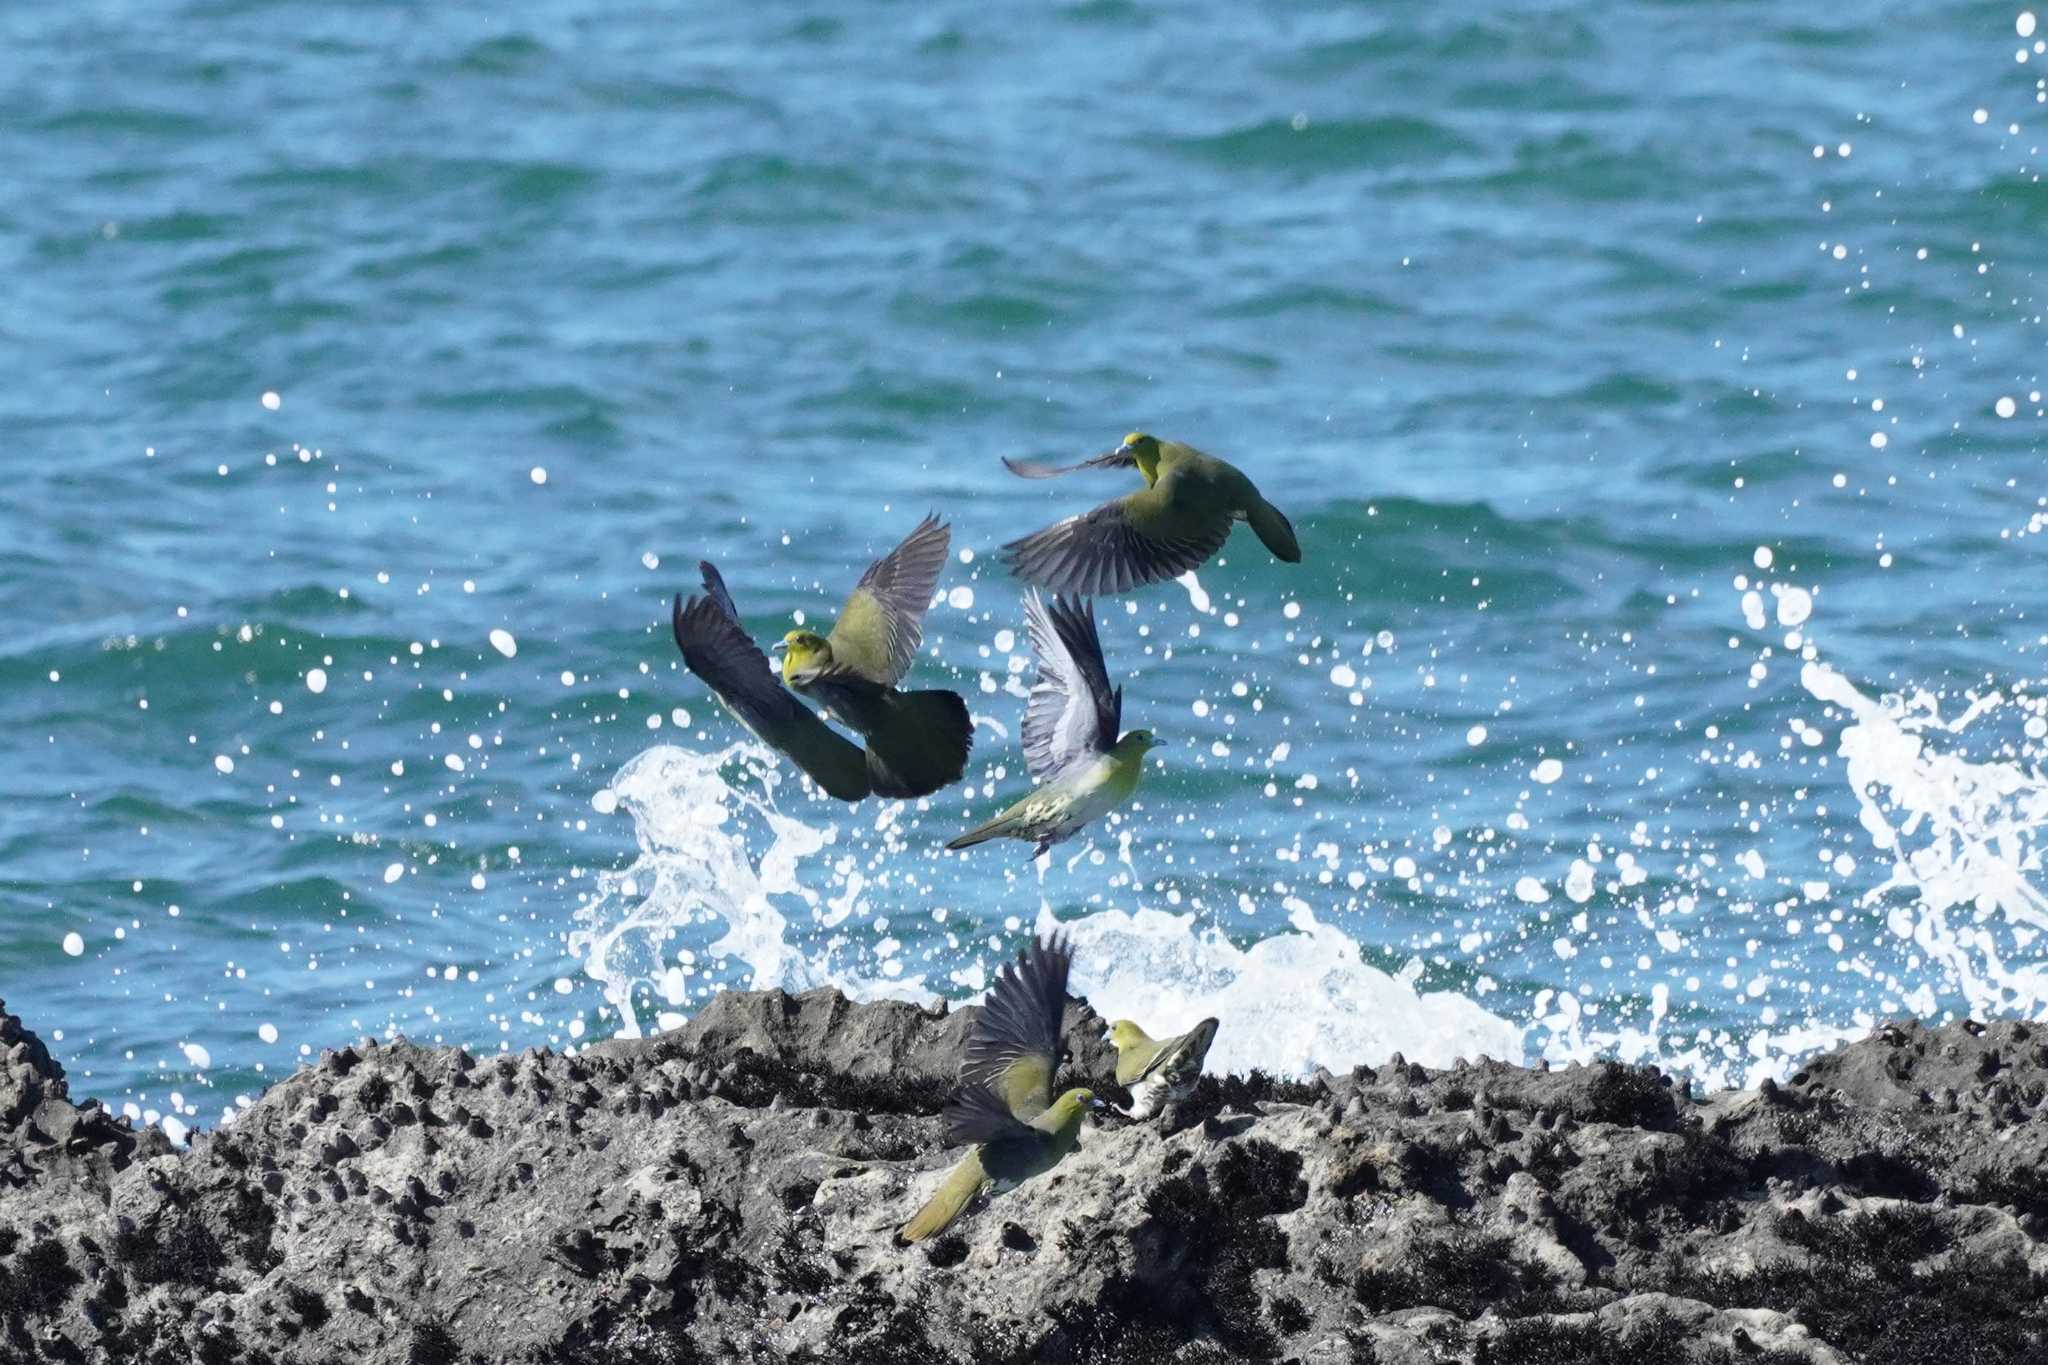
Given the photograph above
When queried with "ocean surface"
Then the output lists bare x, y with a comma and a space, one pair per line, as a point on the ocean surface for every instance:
1656, 389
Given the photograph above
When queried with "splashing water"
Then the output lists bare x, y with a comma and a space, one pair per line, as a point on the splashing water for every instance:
1293, 1000
1963, 840
1290, 1002
692, 828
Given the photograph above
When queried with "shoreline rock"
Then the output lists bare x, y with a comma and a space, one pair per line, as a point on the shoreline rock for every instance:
730, 1191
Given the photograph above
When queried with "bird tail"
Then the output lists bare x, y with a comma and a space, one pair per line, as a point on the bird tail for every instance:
921, 744
1003, 824
1274, 530
938, 1213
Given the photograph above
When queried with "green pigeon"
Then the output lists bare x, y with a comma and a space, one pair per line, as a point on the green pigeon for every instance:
917, 742
1173, 524
1005, 1104
1158, 1070
1072, 746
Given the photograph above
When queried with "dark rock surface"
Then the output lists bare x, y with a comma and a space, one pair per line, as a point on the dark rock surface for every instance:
729, 1192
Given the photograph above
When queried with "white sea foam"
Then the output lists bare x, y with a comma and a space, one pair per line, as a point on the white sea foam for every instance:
1294, 1000
692, 827
1961, 918
1291, 1002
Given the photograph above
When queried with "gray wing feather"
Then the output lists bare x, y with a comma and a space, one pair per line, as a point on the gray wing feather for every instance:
1039, 469
1022, 1015
1100, 552
1071, 715
718, 649
902, 581
976, 1114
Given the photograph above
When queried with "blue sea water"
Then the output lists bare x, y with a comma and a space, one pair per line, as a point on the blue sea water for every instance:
1655, 388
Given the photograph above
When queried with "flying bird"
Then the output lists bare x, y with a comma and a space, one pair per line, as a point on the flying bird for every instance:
1173, 524
1072, 747
1158, 1070
917, 742
1005, 1104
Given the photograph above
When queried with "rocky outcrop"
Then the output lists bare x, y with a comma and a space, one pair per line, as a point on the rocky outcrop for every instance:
730, 1192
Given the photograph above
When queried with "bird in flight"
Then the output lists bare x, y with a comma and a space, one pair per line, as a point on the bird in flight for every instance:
916, 742
1073, 747
1173, 524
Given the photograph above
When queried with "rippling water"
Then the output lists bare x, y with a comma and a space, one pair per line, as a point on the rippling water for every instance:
1635, 375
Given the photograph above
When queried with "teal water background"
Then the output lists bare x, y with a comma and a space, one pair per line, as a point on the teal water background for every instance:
1546, 323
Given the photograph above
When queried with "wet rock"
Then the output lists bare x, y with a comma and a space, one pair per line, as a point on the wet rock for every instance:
731, 1191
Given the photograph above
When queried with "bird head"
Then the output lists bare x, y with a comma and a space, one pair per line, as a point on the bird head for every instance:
1069, 1108
1145, 450
1137, 744
1124, 1034
805, 654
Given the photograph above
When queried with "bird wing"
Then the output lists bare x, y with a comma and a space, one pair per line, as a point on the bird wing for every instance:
978, 1114
1014, 1047
918, 742
1178, 1056
718, 649
1039, 469
1072, 713
1134, 1062
882, 623
1142, 537
922, 746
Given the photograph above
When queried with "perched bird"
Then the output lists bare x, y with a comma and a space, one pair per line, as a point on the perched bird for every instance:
1005, 1104
917, 742
1173, 524
1157, 1070
1071, 744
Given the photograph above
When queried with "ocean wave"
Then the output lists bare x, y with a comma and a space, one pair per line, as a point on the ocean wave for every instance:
1324, 147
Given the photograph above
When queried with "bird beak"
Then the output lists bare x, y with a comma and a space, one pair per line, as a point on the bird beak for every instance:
1122, 450
779, 647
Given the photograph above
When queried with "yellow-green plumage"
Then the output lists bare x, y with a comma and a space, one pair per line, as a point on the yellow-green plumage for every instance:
917, 742
1156, 1070
1000, 1165
860, 638
1060, 809
1071, 745
1173, 524
960, 1187
1004, 1105
882, 623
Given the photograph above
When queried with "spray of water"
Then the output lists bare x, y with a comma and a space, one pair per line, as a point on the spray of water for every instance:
1294, 1000
1963, 838
692, 827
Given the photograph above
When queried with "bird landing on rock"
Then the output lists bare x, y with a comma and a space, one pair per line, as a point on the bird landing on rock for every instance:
1005, 1104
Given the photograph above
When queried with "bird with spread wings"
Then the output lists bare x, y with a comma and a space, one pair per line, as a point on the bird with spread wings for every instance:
916, 742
